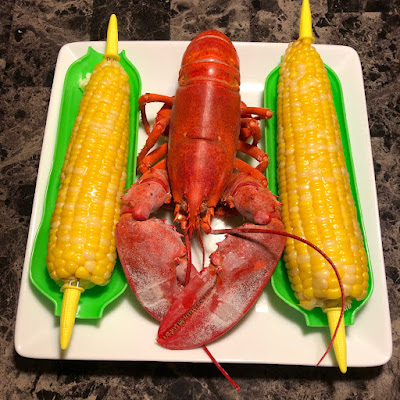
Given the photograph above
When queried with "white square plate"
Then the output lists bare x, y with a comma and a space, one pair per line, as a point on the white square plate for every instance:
272, 332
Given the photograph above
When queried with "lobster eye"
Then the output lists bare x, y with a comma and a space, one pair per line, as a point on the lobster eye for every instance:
203, 208
184, 206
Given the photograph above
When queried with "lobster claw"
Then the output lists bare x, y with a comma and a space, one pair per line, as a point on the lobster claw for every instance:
219, 296
154, 261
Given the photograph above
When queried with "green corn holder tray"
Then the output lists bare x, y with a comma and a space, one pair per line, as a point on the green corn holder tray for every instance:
93, 301
280, 280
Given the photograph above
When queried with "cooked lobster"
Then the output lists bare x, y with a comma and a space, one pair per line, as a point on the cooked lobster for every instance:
199, 173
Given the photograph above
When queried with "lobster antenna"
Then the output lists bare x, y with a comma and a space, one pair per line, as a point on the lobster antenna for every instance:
239, 230
198, 230
219, 366
189, 255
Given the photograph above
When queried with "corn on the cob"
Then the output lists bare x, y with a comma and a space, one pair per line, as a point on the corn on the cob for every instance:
81, 241
81, 246
314, 184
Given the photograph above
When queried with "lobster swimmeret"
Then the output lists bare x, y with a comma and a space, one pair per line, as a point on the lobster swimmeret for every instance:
199, 174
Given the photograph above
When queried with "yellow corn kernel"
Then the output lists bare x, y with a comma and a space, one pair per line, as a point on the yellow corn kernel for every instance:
81, 241
314, 184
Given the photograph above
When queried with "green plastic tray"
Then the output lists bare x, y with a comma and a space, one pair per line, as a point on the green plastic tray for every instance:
93, 301
280, 281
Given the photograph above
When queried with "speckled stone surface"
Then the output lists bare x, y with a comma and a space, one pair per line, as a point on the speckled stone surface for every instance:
31, 35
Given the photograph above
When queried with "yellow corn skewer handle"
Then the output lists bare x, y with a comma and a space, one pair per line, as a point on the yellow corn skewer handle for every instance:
339, 344
72, 290
68, 311
306, 22
333, 314
112, 39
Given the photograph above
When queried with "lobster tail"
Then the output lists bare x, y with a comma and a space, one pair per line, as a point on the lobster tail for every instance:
211, 56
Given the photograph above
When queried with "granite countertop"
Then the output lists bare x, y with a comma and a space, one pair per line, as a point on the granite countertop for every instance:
32, 33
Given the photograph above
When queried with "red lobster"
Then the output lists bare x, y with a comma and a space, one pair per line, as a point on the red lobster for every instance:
207, 124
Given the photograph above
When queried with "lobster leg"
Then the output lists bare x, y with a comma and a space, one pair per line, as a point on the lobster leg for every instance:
152, 157
250, 128
161, 123
256, 153
151, 98
218, 297
242, 166
260, 112
249, 124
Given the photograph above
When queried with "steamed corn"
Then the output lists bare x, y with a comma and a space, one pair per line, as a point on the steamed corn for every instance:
81, 243
314, 185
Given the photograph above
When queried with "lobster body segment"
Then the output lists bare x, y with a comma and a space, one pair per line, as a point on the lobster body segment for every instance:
200, 172
202, 146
